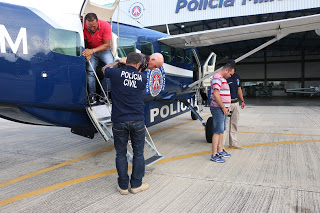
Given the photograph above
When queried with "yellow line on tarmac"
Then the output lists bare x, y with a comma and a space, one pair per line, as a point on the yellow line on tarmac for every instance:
246, 146
6, 183
183, 157
53, 187
263, 133
171, 127
174, 127
15, 180
266, 133
201, 130
278, 143
102, 174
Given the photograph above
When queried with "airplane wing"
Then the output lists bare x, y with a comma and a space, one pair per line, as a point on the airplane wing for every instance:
278, 29
302, 92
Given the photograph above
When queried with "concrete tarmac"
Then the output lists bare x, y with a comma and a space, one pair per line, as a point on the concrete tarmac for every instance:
48, 169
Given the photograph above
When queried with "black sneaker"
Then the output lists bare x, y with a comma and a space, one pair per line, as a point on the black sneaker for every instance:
92, 100
103, 100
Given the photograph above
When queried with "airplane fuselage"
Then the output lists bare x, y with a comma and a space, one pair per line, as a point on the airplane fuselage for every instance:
43, 75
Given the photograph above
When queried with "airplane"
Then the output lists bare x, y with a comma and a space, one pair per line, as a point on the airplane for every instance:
43, 75
307, 91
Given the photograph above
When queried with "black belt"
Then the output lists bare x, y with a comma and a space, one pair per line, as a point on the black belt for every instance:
234, 101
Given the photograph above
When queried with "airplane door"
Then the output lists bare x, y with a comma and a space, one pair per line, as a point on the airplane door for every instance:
208, 67
104, 10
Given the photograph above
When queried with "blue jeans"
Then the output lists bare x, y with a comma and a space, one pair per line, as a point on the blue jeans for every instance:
104, 56
121, 132
219, 120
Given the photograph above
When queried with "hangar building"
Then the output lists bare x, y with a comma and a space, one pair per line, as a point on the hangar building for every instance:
292, 62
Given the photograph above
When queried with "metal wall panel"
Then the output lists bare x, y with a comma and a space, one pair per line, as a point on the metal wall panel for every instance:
292, 70
251, 71
159, 12
308, 84
312, 70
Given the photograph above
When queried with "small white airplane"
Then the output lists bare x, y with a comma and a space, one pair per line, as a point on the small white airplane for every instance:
307, 91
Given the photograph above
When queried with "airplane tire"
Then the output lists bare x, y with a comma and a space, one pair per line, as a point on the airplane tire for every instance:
209, 129
193, 116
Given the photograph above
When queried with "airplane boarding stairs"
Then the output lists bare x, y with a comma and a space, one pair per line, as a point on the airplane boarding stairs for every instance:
100, 116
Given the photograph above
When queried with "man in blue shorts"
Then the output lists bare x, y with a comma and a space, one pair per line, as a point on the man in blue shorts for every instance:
219, 107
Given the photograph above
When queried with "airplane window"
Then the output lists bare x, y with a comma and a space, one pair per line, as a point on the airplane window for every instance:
166, 52
126, 46
146, 48
179, 56
65, 42
188, 57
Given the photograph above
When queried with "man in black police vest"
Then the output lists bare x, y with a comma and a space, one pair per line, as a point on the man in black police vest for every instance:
127, 90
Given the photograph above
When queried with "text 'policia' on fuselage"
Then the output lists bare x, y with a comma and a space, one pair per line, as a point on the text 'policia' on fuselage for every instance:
204, 4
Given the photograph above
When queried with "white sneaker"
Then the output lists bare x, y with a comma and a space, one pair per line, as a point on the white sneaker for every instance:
143, 187
122, 191
236, 147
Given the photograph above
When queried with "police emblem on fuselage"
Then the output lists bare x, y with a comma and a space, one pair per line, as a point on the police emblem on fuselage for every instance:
156, 81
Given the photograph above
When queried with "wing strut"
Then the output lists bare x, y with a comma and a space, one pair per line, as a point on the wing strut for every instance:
192, 110
277, 38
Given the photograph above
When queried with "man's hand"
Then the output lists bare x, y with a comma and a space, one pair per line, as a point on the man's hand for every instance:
105, 67
243, 105
123, 60
87, 53
225, 110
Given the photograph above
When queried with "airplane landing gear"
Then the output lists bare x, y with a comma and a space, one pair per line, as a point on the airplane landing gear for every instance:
209, 129
193, 116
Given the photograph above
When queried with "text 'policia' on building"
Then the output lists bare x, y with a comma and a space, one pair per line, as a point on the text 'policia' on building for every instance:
204, 4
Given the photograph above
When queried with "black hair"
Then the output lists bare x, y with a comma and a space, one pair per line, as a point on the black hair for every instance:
230, 65
134, 58
90, 17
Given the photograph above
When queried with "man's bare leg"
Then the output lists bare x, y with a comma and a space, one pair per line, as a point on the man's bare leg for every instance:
220, 147
215, 141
